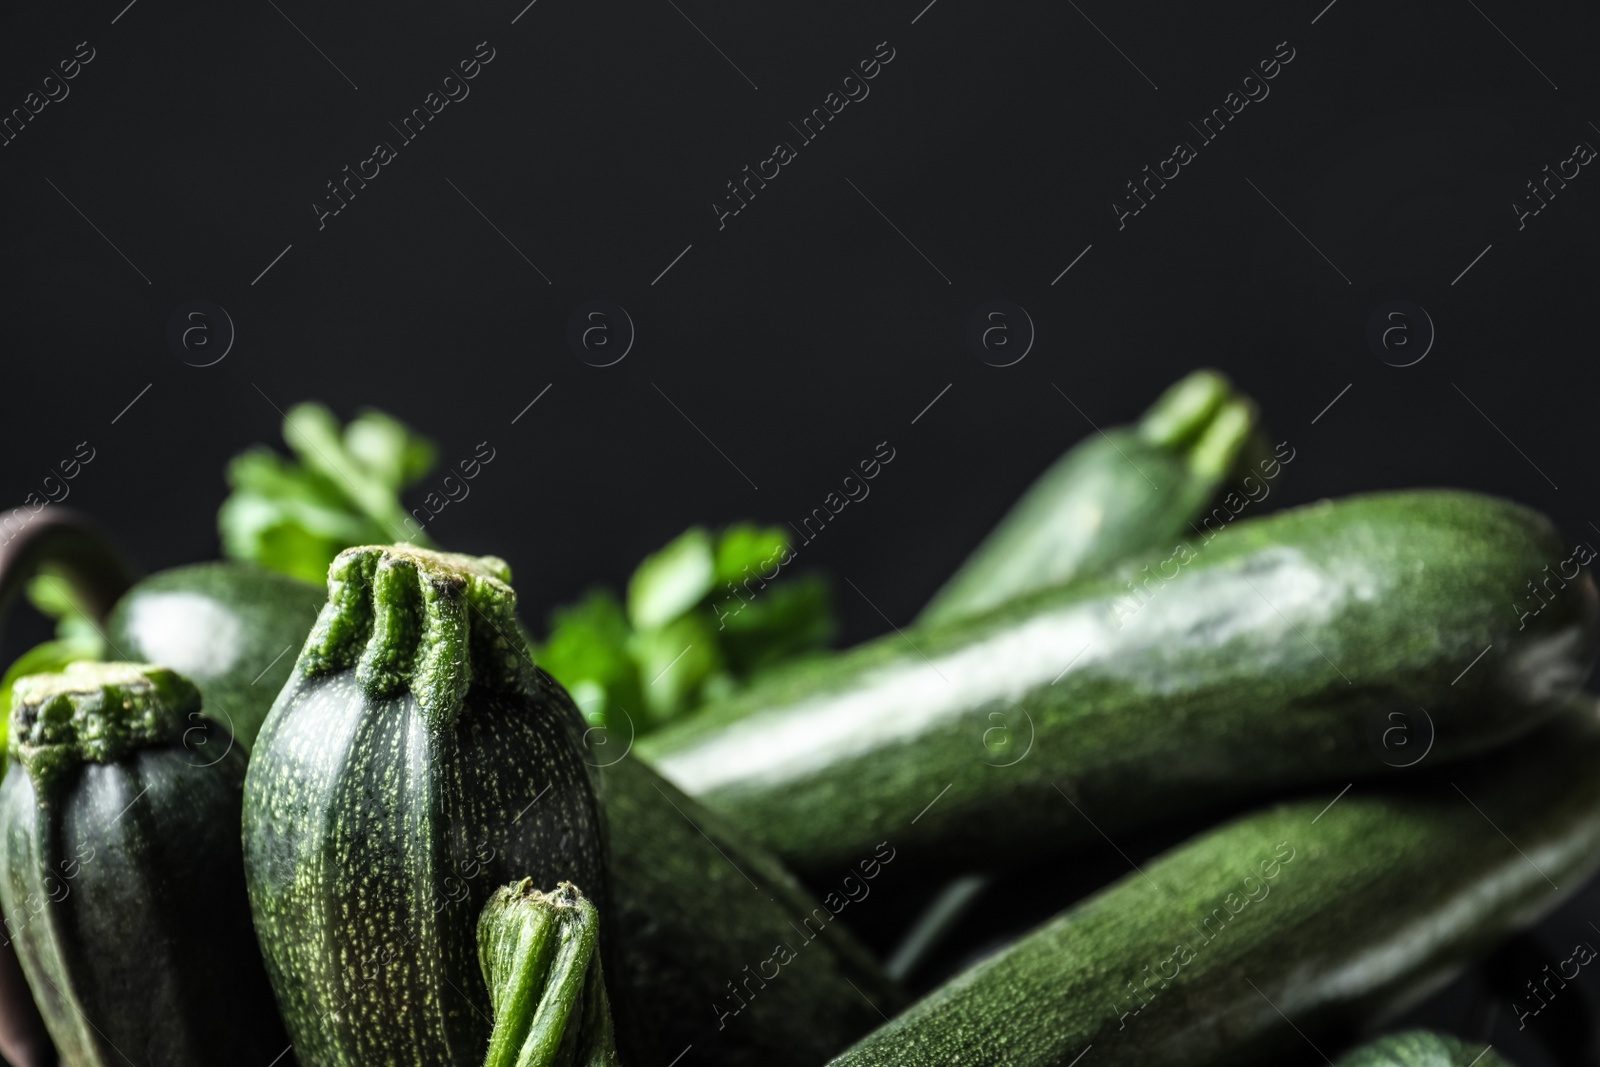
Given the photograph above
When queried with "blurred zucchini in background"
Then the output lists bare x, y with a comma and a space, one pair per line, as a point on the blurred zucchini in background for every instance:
1264, 659
1299, 923
233, 629
1114, 494
1421, 1048
121, 874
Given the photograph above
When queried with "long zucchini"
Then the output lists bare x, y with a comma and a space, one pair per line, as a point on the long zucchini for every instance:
1115, 494
415, 762
1272, 655
1291, 925
122, 878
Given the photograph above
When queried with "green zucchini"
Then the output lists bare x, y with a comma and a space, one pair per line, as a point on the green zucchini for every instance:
1115, 494
1265, 658
1421, 1048
121, 874
230, 628
415, 761
1290, 925
685, 921
539, 959
720, 947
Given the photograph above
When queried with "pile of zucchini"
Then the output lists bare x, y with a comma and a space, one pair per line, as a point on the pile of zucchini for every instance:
407, 846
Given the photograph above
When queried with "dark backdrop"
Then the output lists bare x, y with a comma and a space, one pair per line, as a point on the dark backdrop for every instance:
774, 348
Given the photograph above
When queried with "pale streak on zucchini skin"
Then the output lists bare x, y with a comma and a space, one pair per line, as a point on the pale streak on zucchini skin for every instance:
383, 771
1389, 894
1260, 666
149, 952
1421, 1048
227, 627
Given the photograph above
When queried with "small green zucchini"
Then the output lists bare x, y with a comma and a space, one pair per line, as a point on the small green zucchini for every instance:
1271, 656
230, 628
121, 874
1421, 1048
540, 961
415, 761
1295, 924
1115, 494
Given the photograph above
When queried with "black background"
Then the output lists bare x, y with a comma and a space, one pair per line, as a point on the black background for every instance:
782, 348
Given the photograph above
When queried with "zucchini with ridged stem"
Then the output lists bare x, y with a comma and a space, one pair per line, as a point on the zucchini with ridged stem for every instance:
539, 959
1297, 923
60, 539
1260, 660
1114, 494
415, 761
1421, 1048
122, 878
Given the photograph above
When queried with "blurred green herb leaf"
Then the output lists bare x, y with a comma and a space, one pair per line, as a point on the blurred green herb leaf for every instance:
704, 614
341, 488
588, 653
672, 581
701, 615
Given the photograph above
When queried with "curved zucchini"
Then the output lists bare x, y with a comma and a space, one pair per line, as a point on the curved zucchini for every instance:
230, 628
122, 880
1421, 1048
1293, 924
1115, 494
1265, 658
415, 761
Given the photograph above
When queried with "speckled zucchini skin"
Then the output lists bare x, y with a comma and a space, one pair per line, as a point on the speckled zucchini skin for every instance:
415, 762
1112, 495
1336, 917
1270, 658
1421, 1048
232, 629
124, 890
